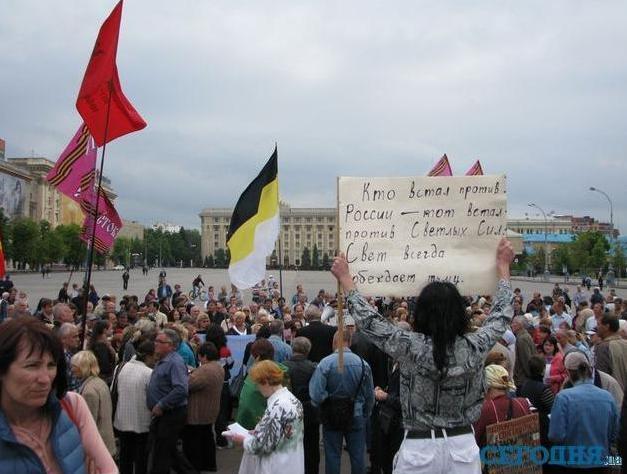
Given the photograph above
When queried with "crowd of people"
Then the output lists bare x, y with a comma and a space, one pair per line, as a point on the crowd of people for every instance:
410, 385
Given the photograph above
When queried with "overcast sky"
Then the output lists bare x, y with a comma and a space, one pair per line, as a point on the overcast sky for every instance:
534, 89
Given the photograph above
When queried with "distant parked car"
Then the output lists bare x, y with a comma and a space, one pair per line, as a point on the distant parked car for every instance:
119, 267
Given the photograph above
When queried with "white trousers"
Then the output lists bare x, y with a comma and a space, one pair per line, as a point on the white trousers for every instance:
448, 455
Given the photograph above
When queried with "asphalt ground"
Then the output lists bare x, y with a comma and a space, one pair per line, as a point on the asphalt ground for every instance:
110, 281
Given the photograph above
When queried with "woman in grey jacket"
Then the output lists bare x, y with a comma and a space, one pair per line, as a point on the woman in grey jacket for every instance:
441, 367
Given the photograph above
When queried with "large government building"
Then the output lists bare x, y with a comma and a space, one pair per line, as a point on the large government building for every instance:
300, 227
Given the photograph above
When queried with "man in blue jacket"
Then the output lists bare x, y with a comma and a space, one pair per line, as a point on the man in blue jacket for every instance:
167, 399
354, 381
584, 420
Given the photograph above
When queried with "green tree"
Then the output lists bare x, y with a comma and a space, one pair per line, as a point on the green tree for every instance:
598, 256
618, 260
25, 237
51, 248
75, 248
305, 261
122, 247
560, 259
583, 256
326, 261
5, 234
220, 259
537, 260
100, 259
315, 258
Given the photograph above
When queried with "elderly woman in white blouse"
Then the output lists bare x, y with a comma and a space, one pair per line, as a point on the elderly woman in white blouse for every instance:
276, 444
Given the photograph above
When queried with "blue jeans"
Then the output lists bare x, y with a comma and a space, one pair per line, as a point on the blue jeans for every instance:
355, 442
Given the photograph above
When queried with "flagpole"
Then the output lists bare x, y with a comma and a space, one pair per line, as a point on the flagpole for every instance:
340, 294
91, 246
276, 146
280, 261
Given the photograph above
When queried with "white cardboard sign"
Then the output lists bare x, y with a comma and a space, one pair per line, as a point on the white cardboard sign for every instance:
399, 234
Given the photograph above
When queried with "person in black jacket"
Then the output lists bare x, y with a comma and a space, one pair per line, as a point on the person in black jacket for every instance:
320, 335
622, 435
539, 394
300, 371
387, 429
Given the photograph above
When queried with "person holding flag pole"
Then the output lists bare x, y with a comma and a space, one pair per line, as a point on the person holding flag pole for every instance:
435, 359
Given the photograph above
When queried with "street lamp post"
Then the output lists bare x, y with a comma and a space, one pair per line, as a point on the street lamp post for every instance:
592, 188
546, 243
191, 260
609, 269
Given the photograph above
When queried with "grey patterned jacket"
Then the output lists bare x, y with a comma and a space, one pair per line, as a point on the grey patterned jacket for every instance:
427, 399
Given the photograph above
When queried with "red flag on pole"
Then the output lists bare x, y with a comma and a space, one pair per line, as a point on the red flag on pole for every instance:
441, 168
3, 269
74, 170
108, 223
101, 81
475, 170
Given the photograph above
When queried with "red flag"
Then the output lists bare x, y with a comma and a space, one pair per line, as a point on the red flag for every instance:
441, 168
108, 223
3, 269
101, 83
74, 170
475, 170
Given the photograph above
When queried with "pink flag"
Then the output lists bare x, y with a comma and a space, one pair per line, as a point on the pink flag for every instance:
441, 168
475, 170
108, 223
75, 167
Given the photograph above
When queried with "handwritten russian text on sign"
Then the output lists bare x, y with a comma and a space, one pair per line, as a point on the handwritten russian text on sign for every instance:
399, 234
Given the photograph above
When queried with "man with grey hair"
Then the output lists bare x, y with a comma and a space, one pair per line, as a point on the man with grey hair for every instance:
320, 335
525, 350
62, 314
300, 371
282, 351
4, 306
20, 308
68, 333
167, 399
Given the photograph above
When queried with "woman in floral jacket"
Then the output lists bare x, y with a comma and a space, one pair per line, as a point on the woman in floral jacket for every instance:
276, 443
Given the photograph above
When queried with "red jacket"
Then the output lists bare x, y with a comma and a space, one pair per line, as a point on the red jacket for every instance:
557, 373
495, 410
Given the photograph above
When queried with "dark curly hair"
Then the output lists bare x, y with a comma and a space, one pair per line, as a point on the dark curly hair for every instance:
216, 335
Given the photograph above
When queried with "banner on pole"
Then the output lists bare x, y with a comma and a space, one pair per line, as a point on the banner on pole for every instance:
399, 234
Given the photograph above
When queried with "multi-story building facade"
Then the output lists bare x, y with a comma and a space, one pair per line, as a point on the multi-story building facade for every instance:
559, 224
15, 193
42, 201
533, 225
300, 228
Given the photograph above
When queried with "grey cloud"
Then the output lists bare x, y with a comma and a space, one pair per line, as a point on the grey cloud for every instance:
534, 89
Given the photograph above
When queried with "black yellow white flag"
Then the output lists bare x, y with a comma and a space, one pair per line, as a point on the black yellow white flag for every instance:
254, 227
